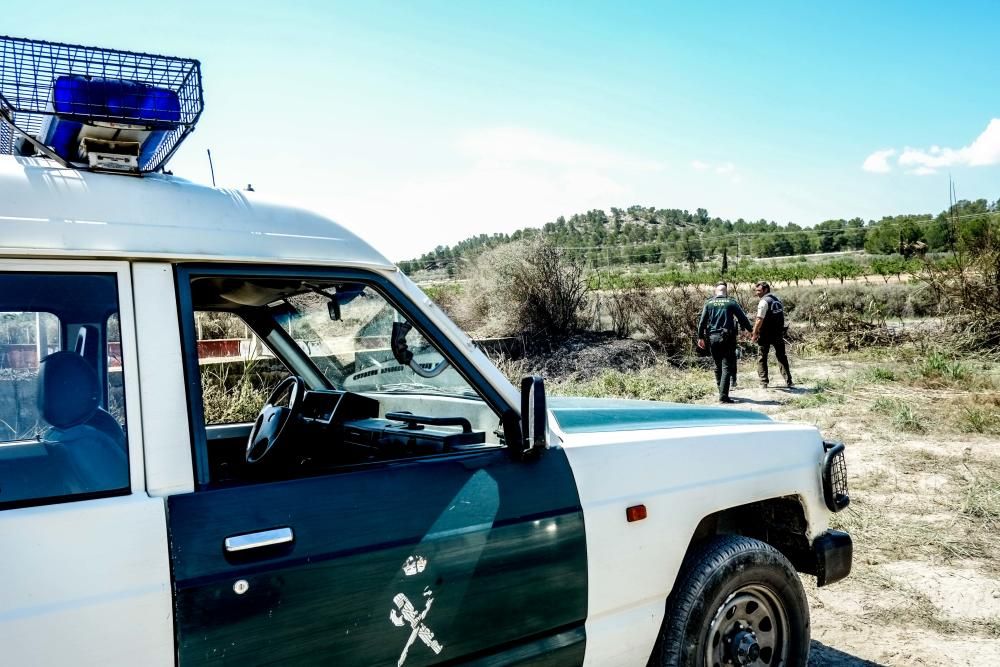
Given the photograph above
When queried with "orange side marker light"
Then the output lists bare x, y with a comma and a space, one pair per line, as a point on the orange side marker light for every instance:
635, 513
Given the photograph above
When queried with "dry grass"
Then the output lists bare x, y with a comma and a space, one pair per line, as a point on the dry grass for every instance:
902, 604
659, 383
234, 397
925, 495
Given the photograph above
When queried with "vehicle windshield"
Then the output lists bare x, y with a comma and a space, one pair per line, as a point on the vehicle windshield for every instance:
347, 331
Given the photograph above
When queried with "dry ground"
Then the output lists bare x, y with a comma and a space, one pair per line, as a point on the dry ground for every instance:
924, 469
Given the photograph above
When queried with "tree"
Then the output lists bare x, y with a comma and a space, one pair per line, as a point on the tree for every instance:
854, 235
886, 267
690, 249
893, 234
803, 243
831, 235
841, 269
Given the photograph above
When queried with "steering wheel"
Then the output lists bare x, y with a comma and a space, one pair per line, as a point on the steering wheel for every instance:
272, 422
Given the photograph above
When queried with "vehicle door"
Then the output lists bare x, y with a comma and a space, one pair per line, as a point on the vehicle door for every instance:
84, 573
455, 556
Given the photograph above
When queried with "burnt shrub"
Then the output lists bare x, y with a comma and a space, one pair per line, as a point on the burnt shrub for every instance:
529, 287
670, 317
969, 288
836, 327
623, 306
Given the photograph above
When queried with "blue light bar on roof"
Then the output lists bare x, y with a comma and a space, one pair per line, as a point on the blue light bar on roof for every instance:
134, 115
102, 109
115, 100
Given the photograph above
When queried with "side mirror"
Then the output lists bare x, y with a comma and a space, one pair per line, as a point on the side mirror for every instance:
534, 415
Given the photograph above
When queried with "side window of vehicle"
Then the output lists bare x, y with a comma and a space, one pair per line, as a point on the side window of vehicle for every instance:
354, 380
237, 369
62, 402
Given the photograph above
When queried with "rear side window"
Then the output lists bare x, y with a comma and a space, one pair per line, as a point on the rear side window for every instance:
62, 404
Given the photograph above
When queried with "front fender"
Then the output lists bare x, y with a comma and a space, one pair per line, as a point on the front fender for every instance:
681, 475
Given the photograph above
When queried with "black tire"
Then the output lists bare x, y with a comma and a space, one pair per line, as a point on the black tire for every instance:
725, 586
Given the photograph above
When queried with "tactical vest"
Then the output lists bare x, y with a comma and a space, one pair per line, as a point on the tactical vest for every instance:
719, 319
774, 322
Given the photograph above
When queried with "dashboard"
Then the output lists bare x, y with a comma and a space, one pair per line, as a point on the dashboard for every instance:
345, 428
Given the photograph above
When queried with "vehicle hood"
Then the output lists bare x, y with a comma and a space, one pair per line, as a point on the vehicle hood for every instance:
598, 415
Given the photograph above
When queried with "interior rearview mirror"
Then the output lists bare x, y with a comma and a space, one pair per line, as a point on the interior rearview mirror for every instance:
333, 307
533, 414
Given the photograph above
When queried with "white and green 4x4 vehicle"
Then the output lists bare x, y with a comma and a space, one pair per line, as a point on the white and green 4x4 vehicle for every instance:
396, 501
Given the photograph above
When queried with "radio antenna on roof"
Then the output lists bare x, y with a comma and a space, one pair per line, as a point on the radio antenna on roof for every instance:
210, 166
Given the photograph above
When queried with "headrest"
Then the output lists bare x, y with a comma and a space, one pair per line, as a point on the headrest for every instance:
68, 390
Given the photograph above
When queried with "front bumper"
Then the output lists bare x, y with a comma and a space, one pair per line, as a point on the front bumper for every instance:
834, 551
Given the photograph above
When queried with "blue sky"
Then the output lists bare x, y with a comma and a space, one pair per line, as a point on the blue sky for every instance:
418, 124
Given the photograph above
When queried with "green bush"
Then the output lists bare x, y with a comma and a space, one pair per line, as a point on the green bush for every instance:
975, 419
903, 416
878, 374
937, 366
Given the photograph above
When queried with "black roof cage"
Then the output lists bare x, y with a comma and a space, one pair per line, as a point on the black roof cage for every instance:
29, 70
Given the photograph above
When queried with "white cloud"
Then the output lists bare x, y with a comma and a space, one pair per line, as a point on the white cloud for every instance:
726, 168
984, 151
878, 162
698, 165
489, 180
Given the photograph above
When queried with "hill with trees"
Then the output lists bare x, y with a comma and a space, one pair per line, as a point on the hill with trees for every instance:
648, 235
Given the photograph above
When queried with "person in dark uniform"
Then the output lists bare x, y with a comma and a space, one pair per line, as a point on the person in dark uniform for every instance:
720, 321
768, 332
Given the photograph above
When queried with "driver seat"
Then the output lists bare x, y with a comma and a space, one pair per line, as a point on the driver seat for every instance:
86, 444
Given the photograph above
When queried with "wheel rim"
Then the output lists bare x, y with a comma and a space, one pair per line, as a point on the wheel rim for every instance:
749, 628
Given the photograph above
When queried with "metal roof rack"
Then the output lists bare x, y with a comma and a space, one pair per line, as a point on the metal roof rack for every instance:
102, 89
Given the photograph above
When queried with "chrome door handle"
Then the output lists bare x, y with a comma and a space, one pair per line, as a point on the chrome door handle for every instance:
264, 538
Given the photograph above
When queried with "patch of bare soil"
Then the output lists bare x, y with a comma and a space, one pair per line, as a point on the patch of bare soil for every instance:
924, 516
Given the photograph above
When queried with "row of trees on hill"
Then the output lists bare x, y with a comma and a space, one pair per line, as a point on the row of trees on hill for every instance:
841, 269
641, 235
